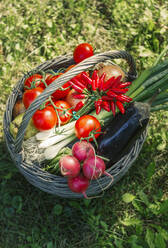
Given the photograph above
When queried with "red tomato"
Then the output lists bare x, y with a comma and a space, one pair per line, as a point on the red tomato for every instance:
30, 95
85, 124
34, 79
45, 119
58, 94
82, 51
66, 113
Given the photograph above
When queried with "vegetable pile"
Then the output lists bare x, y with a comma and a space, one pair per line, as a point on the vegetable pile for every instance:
97, 116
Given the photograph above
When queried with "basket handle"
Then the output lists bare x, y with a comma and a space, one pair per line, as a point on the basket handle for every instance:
82, 66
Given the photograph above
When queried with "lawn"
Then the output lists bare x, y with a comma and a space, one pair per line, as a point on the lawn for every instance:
134, 212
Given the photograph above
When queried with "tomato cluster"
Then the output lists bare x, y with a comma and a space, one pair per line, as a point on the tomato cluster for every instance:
54, 112
57, 110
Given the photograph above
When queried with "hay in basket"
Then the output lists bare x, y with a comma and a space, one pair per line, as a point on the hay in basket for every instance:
40, 178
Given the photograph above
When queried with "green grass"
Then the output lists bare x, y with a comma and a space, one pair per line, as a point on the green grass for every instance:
134, 212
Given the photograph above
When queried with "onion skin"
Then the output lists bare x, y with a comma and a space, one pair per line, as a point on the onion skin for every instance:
111, 70
78, 184
18, 108
93, 168
83, 150
69, 166
71, 100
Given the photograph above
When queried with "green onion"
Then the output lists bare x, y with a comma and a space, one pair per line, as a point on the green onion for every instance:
147, 75
53, 150
159, 107
146, 93
150, 82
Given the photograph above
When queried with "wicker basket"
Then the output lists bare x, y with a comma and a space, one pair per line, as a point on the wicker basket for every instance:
47, 182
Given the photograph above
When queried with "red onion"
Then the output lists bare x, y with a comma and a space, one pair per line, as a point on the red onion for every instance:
79, 184
94, 167
83, 150
69, 166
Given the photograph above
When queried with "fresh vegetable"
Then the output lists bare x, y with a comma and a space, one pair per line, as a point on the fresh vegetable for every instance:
102, 94
62, 92
78, 106
64, 111
52, 151
69, 137
149, 82
111, 71
82, 51
118, 132
69, 166
43, 135
18, 108
49, 141
34, 81
87, 126
44, 119
72, 100
14, 127
83, 150
30, 95
94, 167
107, 116
151, 75
52, 165
78, 184
131, 142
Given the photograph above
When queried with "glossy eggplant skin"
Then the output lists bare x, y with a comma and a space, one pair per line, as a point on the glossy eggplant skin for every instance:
121, 130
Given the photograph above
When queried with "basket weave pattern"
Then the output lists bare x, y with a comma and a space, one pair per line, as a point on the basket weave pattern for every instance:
47, 182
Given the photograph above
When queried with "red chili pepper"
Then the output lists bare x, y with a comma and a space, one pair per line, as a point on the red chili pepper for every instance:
96, 78
106, 105
94, 85
81, 80
123, 85
120, 107
109, 83
79, 96
101, 81
117, 81
97, 107
119, 91
110, 93
107, 98
95, 75
86, 78
78, 106
120, 98
126, 98
75, 87
78, 83
113, 106
99, 102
